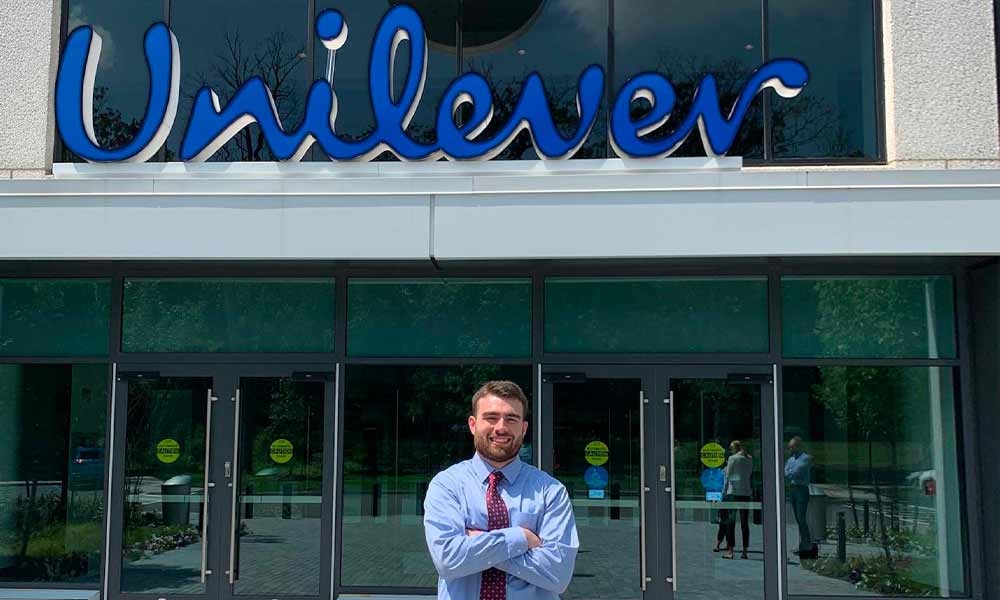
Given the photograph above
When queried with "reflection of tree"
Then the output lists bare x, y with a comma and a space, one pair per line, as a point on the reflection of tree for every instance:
561, 97
275, 62
868, 402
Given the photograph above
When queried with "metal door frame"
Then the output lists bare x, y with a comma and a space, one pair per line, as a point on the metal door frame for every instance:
224, 384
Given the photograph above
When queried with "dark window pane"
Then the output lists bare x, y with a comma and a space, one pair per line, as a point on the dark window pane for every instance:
355, 119
228, 315
685, 41
439, 317
402, 426
868, 317
54, 317
878, 448
52, 423
122, 85
506, 40
656, 315
223, 45
835, 115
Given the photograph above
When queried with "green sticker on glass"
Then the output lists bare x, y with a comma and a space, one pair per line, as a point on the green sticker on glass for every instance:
168, 450
281, 451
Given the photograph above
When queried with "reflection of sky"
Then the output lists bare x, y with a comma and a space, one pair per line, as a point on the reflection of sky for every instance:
834, 41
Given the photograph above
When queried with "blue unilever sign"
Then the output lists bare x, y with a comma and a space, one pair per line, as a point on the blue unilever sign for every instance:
210, 125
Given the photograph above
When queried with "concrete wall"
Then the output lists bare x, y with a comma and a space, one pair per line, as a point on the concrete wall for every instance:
29, 46
941, 83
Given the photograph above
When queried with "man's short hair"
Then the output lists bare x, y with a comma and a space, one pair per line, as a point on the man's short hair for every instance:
508, 390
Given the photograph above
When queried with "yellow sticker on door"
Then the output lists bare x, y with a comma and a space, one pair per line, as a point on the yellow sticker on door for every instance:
713, 455
168, 450
596, 453
281, 451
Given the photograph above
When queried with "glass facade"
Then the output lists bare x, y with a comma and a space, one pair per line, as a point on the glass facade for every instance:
835, 117
228, 315
54, 317
868, 317
439, 317
638, 315
872, 484
53, 419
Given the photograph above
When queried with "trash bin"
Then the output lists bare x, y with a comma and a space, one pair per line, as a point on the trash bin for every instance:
816, 513
176, 491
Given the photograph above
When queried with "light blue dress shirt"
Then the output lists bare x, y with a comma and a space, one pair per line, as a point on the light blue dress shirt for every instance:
456, 501
798, 469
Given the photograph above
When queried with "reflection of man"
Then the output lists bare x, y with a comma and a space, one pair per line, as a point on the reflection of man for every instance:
498, 528
798, 476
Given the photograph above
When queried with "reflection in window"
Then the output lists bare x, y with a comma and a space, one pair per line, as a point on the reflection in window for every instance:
122, 85
868, 317
52, 423
402, 426
228, 315
222, 46
355, 119
54, 317
656, 314
835, 116
873, 504
507, 44
685, 41
439, 317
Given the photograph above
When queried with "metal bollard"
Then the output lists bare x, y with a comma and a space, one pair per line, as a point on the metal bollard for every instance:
421, 495
286, 504
248, 506
616, 493
841, 538
376, 498
867, 519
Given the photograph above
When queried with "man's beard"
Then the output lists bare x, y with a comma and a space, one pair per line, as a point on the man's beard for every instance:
497, 453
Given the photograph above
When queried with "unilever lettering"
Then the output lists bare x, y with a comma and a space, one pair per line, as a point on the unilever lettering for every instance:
211, 125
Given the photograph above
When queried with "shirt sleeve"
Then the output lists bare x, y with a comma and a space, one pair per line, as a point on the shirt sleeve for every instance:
550, 566
454, 553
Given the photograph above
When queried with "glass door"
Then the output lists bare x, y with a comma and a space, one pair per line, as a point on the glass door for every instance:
223, 479
720, 427
599, 423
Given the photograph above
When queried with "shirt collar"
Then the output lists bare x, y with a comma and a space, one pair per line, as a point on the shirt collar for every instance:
483, 468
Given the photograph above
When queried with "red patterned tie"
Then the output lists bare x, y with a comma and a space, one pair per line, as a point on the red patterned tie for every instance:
494, 586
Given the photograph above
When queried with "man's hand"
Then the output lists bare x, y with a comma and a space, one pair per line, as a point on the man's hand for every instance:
474, 532
533, 540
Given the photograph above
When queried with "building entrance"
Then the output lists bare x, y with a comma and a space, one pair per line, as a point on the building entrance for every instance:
671, 471
222, 482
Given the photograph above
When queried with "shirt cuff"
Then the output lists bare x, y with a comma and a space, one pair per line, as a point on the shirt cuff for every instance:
517, 541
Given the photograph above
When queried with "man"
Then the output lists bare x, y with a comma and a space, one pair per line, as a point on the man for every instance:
798, 476
498, 528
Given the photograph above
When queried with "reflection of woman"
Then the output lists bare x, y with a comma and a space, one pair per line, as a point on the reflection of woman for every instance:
738, 488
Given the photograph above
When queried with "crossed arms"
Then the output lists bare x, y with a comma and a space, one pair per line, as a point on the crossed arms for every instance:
544, 558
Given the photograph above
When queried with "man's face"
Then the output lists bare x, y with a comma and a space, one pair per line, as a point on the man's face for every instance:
498, 428
793, 446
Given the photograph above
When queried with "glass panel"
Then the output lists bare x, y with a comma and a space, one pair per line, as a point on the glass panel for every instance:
672, 37
52, 423
608, 518
439, 317
223, 48
280, 486
402, 425
507, 44
719, 485
228, 315
355, 119
121, 88
873, 504
50, 317
164, 484
835, 116
656, 315
868, 317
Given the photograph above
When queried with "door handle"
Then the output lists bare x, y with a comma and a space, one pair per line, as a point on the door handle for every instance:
229, 469
234, 525
204, 494
644, 489
673, 501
